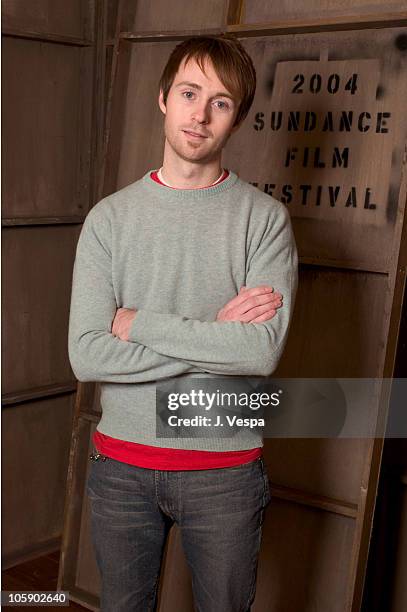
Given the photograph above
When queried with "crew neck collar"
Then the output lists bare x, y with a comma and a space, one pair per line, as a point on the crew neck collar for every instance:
159, 176
168, 193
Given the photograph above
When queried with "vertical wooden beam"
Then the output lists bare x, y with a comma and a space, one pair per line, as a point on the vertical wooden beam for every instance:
108, 117
74, 499
99, 69
235, 12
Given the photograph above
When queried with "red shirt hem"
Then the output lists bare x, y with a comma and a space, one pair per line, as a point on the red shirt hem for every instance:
158, 458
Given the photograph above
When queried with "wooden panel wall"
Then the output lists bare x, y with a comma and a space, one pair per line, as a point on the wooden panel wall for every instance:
352, 260
37, 271
48, 141
385, 582
35, 442
147, 16
47, 119
315, 549
126, 159
49, 17
263, 11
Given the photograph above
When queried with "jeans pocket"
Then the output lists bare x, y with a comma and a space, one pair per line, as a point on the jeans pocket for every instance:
96, 461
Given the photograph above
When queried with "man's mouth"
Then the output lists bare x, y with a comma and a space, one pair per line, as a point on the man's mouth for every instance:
194, 134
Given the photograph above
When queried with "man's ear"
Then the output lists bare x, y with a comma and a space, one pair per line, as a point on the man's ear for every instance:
161, 102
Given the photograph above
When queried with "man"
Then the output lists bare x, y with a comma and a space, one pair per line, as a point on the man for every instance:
181, 273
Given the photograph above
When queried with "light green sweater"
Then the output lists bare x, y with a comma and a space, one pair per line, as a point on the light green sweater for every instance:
177, 256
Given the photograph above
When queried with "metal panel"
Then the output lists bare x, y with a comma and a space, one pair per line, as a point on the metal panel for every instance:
35, 452
37, 275
47, 120
49, 16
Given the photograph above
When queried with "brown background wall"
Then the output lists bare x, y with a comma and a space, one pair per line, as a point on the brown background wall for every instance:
48, 136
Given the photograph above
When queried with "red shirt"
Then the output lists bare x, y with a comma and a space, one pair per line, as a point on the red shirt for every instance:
157, 458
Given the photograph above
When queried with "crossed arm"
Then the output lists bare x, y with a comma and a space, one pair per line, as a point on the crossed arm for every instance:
161, 345
249, 306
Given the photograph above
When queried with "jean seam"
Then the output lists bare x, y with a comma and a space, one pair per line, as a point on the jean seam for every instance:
254, 576
266, 485
153, 605
260, 525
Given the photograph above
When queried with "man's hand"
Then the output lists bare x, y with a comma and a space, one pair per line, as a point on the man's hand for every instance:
251, 305
122, 322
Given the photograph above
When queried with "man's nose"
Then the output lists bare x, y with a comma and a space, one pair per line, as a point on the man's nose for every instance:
201, 113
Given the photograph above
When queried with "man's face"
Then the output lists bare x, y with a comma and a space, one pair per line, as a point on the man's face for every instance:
200, 104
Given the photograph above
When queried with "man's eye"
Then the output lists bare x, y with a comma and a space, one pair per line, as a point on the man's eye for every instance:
222, 105
185, 94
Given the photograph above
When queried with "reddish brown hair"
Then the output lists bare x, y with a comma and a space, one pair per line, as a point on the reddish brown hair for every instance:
231, 62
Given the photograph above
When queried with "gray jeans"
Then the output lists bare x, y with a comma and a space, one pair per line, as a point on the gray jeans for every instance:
219, 513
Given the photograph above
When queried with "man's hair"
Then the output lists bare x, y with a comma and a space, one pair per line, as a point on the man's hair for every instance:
231, 62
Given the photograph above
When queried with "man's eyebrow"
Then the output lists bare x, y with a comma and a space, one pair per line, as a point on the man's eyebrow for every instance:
196, 86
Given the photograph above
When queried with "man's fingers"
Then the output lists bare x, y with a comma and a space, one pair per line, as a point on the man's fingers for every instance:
252, 314
244, 314
246, 294
270, 300
269, 314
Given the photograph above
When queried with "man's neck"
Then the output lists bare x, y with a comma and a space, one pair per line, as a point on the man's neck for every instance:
184, 175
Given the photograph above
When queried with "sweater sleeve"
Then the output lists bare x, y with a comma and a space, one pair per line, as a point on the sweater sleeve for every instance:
232, 347
94, 353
